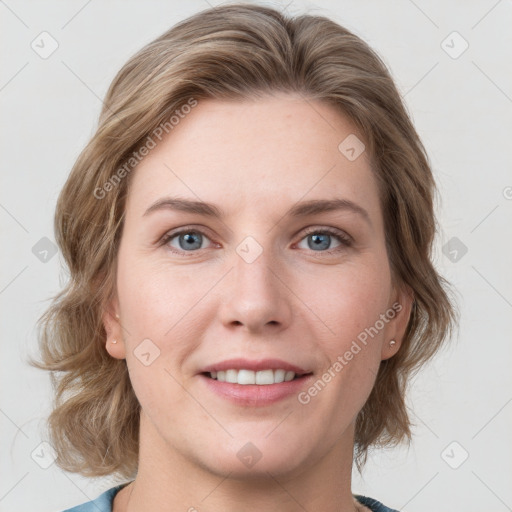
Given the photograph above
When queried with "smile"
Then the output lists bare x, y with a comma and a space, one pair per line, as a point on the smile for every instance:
246, 377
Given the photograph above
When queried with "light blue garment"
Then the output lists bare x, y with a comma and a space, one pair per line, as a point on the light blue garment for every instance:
103, 503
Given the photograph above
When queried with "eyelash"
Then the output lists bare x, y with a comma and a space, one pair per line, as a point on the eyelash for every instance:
344, 239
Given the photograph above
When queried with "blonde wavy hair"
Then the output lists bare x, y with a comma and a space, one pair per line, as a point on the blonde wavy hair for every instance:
235, 51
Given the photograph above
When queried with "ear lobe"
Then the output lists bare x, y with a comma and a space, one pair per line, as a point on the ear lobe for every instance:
110, 324
398, 325
114, 342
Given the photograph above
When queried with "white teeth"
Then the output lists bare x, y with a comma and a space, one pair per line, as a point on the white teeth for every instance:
279, 376
263, 377
289, 376
247, 377
231, 376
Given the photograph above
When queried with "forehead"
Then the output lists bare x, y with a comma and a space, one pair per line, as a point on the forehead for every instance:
256, 156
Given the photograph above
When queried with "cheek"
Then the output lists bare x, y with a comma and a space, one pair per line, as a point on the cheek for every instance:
149, 307
348, 301
349, 307
154, 297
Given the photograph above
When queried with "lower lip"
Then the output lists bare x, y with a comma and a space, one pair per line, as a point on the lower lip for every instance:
254, 394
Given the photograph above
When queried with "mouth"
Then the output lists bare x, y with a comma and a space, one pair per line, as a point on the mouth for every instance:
247, 377
255, 388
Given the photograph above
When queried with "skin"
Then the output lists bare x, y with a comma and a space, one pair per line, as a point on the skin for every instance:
255, 160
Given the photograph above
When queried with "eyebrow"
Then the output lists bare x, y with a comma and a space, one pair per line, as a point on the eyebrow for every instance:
301, 209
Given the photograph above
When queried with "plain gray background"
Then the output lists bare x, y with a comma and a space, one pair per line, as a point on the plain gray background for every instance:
461, 103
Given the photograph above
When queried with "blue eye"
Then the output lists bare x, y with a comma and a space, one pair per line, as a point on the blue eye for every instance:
318, 240
187, 240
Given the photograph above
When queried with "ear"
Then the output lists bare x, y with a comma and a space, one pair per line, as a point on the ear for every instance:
114, 343
401, 304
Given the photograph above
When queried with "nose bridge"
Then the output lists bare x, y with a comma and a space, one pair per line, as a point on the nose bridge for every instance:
255, 295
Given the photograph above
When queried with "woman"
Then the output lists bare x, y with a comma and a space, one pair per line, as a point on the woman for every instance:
248, 235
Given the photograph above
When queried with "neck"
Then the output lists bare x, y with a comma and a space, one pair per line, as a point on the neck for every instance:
168, 479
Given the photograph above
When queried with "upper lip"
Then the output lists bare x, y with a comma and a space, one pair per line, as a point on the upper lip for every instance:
255, 365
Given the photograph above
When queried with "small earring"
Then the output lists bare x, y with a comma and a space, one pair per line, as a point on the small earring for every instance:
392, 343
114, 341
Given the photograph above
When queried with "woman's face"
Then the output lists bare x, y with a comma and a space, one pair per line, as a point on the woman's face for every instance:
271, 275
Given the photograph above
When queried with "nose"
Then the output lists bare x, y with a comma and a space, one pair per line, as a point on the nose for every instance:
256, 296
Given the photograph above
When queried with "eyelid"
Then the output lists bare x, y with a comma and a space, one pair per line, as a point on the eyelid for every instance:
345, 239
329, 230
168, 235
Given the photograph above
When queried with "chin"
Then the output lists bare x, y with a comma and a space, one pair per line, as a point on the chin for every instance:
256, 458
